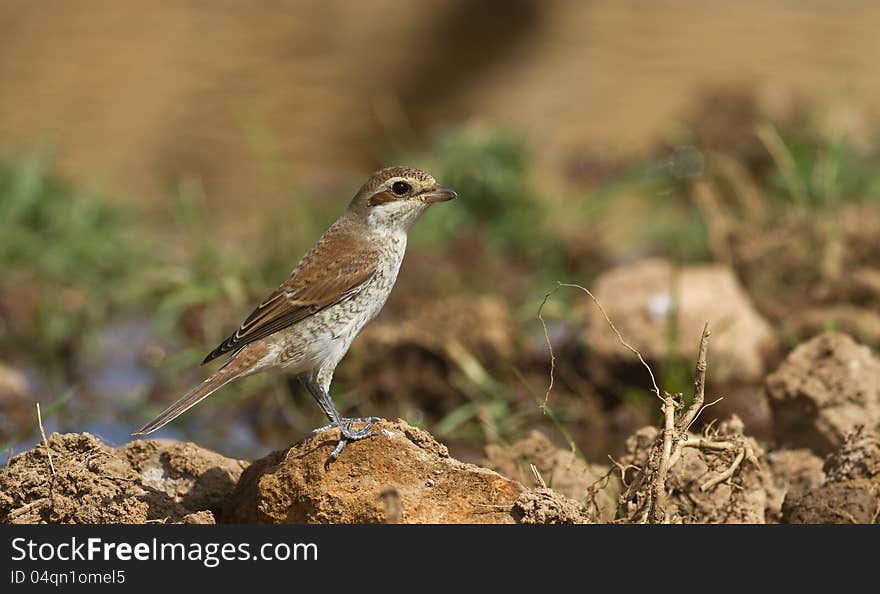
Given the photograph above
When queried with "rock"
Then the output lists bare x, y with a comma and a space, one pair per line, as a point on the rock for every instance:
564, 471
744, 498
851, 492
822, 391
95, 484
643, 298
400, 474
546, 506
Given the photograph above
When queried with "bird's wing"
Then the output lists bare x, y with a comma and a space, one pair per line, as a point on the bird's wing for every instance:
337, 267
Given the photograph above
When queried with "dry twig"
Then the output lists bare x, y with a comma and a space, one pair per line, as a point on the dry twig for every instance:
659, 486
538, 476
631, 348
45, 441
647, 494
699, 383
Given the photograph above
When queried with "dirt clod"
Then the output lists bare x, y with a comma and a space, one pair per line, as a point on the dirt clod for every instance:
823, 390
851, 493
546, 506
400, 474
189, 475
95, 484
832, 504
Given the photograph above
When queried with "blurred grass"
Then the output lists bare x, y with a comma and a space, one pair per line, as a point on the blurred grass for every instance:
65, 252
491, 172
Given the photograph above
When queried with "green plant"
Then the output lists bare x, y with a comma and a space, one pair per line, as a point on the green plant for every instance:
64, 246
490, 172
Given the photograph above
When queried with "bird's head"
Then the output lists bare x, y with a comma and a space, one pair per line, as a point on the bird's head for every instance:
394, 198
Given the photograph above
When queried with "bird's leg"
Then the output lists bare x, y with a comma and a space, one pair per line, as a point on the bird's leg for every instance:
336, 420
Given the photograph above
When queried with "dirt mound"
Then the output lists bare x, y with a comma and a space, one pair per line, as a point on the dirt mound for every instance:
95, 484
699, 488
822, 391
851, 493
644, 298
562, 470
401, 474
196, 478
546, 506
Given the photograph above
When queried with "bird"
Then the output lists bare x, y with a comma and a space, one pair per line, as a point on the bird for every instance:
306, 326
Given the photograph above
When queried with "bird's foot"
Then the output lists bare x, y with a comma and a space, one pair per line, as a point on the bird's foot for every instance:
345, 425
347, 434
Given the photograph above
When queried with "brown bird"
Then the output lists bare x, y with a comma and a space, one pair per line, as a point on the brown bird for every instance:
306, 326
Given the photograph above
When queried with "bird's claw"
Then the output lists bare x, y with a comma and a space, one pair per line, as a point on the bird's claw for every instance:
347, 434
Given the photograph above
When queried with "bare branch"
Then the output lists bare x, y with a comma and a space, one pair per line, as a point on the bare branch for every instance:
659, 486
699, 383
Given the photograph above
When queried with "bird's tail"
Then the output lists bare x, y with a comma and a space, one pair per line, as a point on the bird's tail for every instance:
193, 397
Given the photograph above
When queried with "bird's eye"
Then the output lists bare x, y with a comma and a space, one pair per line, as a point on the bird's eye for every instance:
400, 188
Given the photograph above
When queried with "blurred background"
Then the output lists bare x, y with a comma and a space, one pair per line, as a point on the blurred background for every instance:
164, 166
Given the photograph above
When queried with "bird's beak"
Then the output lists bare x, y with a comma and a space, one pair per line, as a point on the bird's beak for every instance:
438, 194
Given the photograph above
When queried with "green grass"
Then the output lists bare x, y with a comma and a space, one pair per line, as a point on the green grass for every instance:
65, 251
490, 172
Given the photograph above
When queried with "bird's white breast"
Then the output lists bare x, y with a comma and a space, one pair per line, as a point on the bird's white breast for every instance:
323, 339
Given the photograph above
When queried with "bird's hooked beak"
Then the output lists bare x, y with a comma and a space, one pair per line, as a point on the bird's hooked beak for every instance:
438, 194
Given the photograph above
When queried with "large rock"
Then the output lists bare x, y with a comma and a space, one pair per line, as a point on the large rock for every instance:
822, 391
400, 474
143, 481
643, 300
